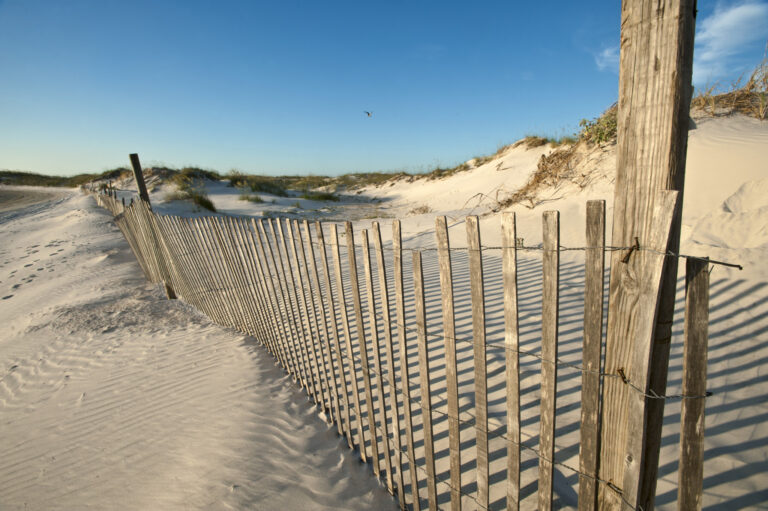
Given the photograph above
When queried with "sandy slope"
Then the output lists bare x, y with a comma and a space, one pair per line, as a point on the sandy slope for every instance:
112, 397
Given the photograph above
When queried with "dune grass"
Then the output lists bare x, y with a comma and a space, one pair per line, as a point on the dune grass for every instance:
15, 177
748, 97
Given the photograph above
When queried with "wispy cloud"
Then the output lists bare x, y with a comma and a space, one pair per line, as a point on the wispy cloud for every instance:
724, 35
608, 59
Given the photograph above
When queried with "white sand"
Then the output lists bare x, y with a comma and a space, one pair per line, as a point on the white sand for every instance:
112, 397
119, 398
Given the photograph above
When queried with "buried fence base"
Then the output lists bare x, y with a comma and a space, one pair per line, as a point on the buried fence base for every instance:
169, 293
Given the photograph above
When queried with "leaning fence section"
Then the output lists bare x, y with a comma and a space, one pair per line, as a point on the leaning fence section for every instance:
426, 361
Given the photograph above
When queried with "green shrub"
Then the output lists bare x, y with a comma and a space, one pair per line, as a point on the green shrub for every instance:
602, 129
251, 198
320, 196
202, 200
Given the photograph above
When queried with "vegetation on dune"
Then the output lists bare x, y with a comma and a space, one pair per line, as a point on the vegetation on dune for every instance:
601, 130
14, 177
251, 198
748, 98
319, 196
190, 184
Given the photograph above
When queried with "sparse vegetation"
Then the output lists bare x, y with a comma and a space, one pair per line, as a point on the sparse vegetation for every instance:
551, 169
420, 210
251, 198
189, 182
319, 196
748, 98
601, 130
12, 177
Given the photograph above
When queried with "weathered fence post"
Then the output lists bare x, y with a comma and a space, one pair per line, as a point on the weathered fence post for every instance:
480, 360
690, 473
550, 298
512, 368
138, 174
654, 101
589, 444
397, 263
425, 393
451, 372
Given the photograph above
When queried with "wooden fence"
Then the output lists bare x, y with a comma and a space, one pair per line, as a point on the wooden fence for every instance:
431, 366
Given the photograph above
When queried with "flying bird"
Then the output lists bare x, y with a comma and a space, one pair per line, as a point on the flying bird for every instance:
369, 114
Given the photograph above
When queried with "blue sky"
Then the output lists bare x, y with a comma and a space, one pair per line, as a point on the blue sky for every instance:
281, 87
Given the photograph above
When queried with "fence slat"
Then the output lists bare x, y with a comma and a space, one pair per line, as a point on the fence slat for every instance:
293, 304
451, 373
335, 331
690, 473
393, 401
397, 249
314, 328
307, 342
239, 229
425, 393
589, 445
353, 372
281, 305
277, 333
512, 368
317, 300
549, 316
377, 360
361, 341
480, 362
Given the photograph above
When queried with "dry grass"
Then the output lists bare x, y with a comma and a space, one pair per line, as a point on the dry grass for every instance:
748, 98
420, 210
551, 170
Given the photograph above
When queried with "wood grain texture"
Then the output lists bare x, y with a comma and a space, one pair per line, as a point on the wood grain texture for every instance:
425, 392
479, 358
691, 471
594, 271
451, 373
653, 109
512, 345
397, 251
550, 307
634, 304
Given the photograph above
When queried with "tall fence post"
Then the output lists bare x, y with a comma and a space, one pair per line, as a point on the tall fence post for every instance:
138, 175
656, 55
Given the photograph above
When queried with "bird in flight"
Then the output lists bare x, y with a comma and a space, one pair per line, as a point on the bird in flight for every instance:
369, 114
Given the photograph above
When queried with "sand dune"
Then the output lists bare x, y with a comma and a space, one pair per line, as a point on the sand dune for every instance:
112, 397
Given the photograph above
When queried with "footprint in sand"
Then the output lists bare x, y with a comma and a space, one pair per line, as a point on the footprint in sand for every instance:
28, 265
6, 297
15, 287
